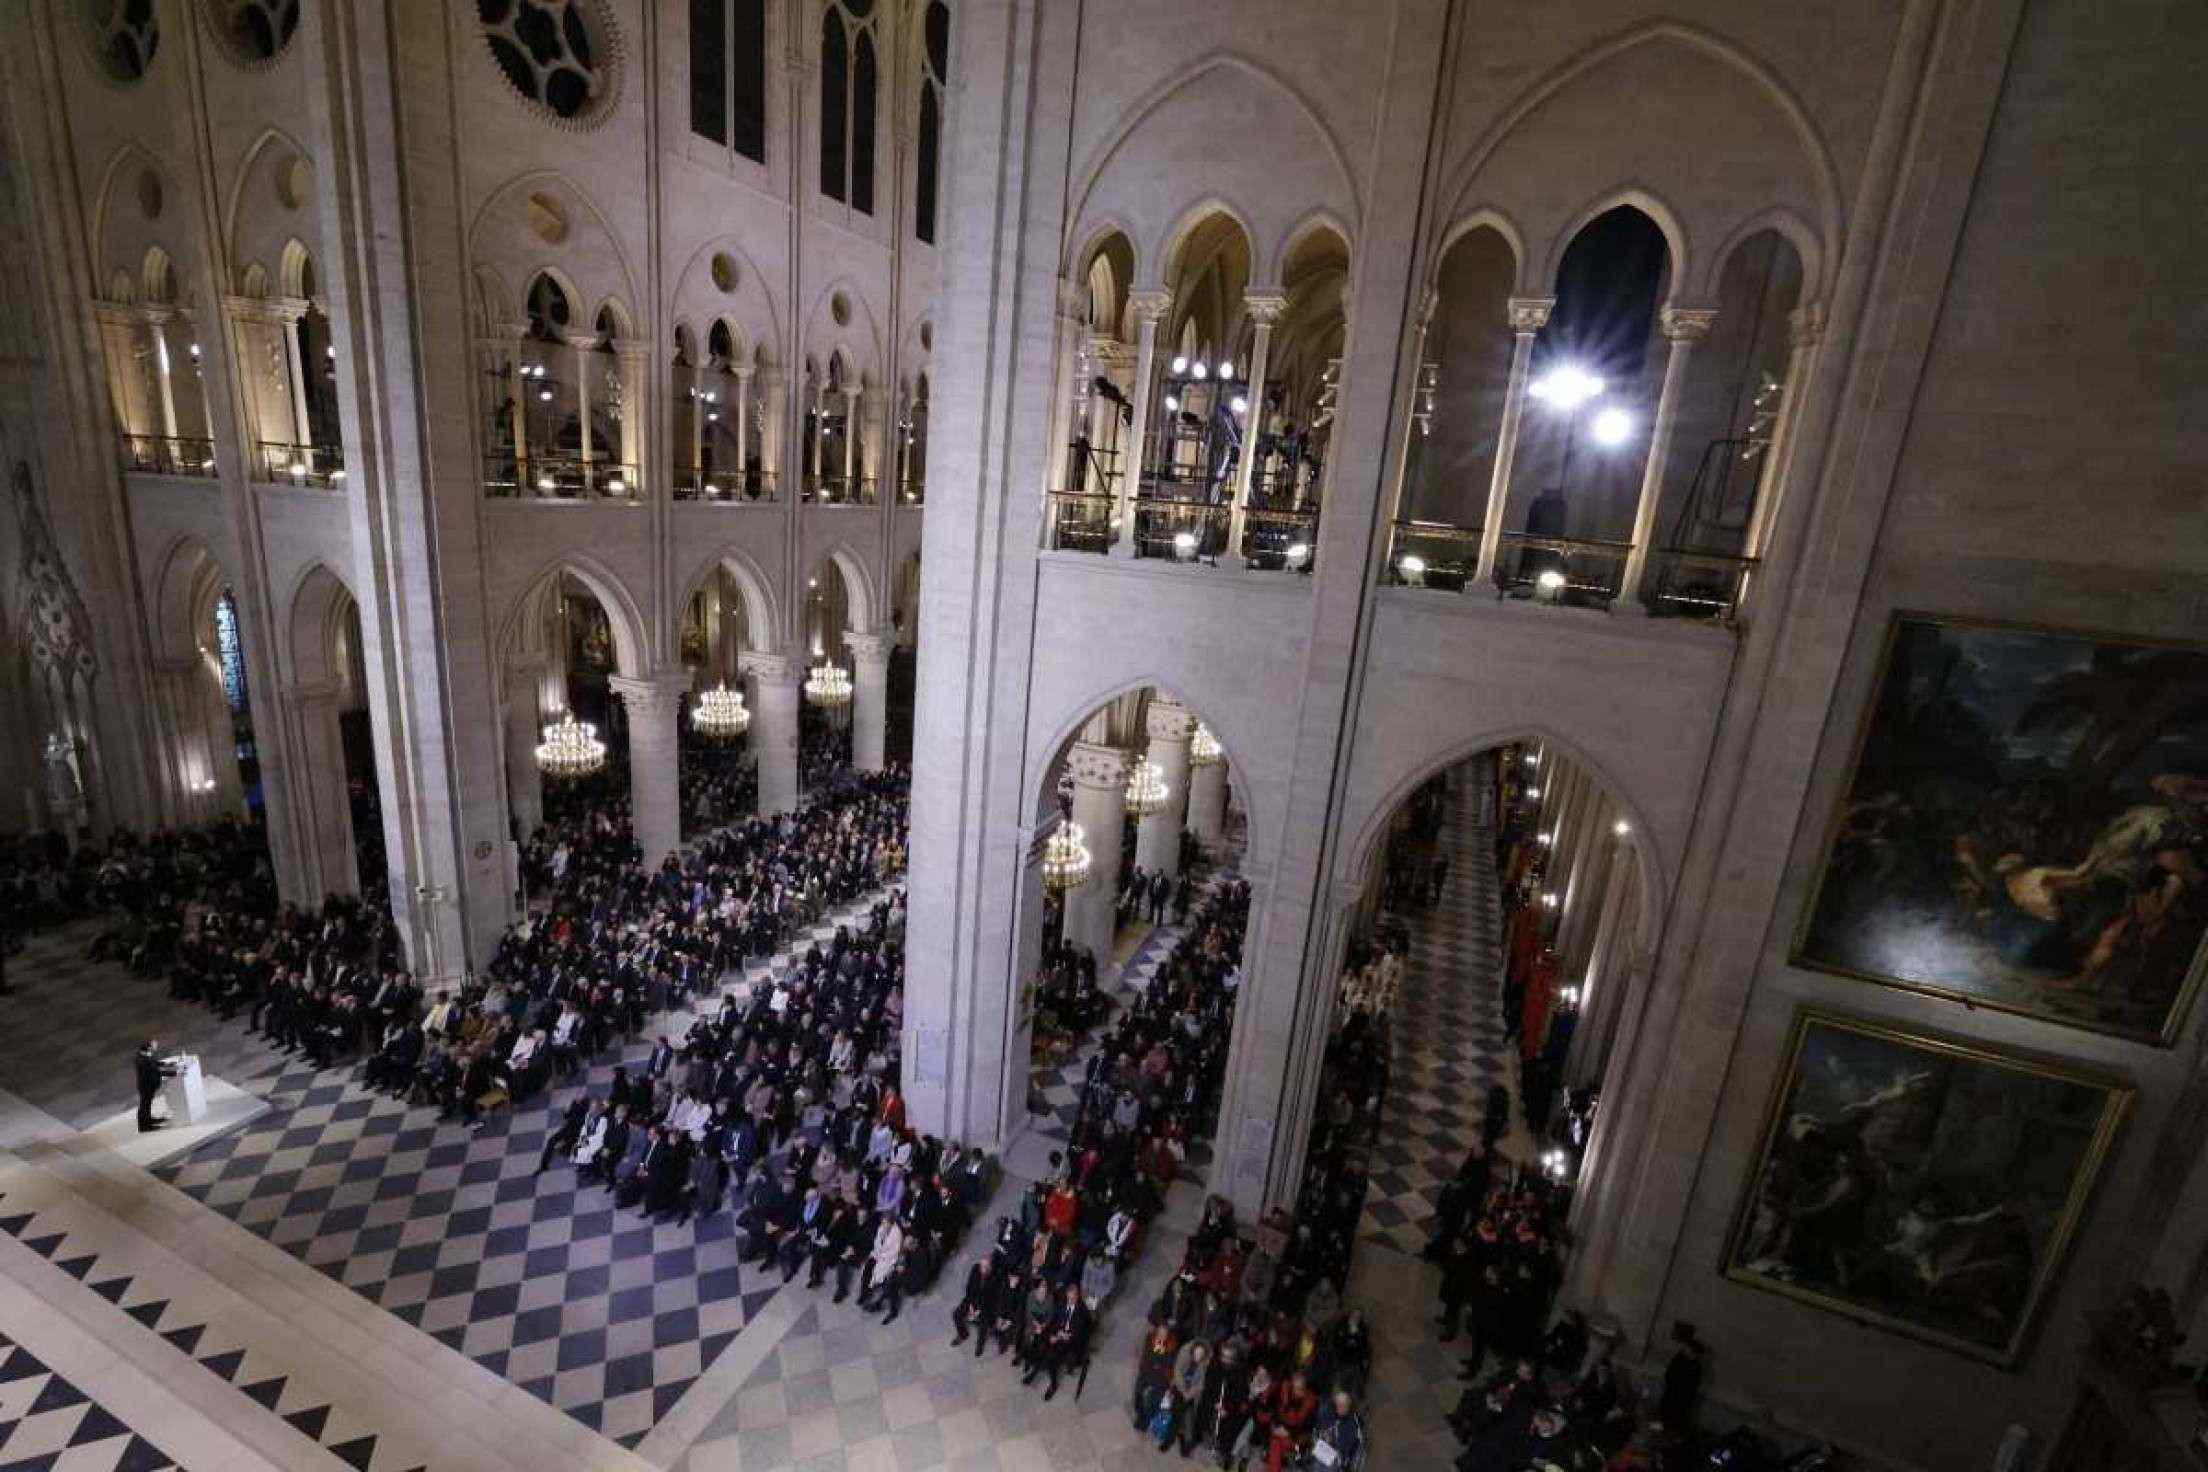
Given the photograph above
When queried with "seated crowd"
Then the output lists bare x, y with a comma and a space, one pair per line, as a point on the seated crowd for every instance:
45, 882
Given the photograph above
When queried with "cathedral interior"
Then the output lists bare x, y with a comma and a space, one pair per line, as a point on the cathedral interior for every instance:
1380, 736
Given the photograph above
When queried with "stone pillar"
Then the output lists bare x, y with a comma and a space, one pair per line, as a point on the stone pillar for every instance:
287, 323
1399, 462
1149, 308
636, 420
869, 698
776, 680
1099, 809
1207, 801
584, 346
1264, 310
157, 330
1805, 327
323, 790
1683, 328
654, 705
524, 729
743, 426
1158, 836
1528, 315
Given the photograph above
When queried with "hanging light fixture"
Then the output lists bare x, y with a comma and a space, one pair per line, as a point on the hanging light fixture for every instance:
719, 714
1146, 790
1065, 858
1203, 748
828, 685
570, 748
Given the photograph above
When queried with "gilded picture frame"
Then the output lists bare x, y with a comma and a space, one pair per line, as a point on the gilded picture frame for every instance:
2024, 827
1921, 1184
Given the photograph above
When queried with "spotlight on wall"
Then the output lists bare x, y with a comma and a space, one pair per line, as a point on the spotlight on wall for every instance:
1413, 568
1547, 839
1299, 553
546, 484
1612, 427
1226, 369
1172, 403
298, 469
206, 784
1197, 371
1534, 793
1550, 583
1180, 366
1241, 404
1569, 996
1184, 546
1565, 387
616, 486
1621, 827
544, 395
1549, 899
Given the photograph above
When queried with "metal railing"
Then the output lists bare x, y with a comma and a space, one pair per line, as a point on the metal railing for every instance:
1186, 530
1431, 554
1285, 539
164, 454
1684, 584
1079, 523
726, 487
299, 465
913, 493
559, 478
1580, 571
838, 490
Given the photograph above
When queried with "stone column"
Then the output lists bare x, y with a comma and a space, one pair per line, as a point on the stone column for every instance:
743, 426
322, 788
1264, 310
1207, 801
1399, 462
869, 698
654, 705
1158, 836
1805, 327
524, 728
584, 345
287, 323
1683, 328
1150, 308
1528, 315
157, 330
1099, 809
776, 680
636, 434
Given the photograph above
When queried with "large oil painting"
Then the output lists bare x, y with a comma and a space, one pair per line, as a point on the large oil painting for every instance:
1923, 1185
2026, 827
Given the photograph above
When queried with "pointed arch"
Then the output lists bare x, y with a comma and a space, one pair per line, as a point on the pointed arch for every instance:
857, 582
1311, 222
293, 265
1490, 218
186, 568
1628, 196
631, 649
249, 164
107, 212
762, 620
314, 626
500, 221
1781, 222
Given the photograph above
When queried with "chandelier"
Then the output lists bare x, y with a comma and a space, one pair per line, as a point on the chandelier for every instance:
1203, 748
1146, 790
828, 685
570, 748
1065, 858
719, 714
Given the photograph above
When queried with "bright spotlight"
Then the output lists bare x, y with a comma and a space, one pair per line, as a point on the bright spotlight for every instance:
1621, 828
1299, 553
1414, 569
1197, 371
1180, 366
1241, 404
1565, 387
1612, 427
1551, 581
1184, 546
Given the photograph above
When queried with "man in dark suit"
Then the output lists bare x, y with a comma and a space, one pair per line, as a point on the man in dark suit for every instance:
151, 1070
1065, 1340
977, 1310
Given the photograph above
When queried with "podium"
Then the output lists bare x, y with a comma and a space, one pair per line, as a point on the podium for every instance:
183, 1091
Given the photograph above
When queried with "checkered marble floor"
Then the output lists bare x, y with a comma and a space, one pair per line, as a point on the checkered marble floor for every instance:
596, 1312
1448, 1032
72, 1025
1057, 1087
48, 1424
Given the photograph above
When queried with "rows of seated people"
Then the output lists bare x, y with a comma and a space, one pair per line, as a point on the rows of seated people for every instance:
142, 882
716, 787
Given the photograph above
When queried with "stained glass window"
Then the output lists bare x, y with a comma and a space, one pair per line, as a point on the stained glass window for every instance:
229, 651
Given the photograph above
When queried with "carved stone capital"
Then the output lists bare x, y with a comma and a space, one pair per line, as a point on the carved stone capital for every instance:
870, 649
1805, 325
1169, 721
1099, 768
654, 696
772, 669
1150, 307
1073, 301
1530, 313
1688, 324
1265, 307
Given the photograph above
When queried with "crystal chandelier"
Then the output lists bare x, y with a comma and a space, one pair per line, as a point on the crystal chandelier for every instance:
1203, 748
719, 714
570, 748
1065, 858
1146, 790
828, 685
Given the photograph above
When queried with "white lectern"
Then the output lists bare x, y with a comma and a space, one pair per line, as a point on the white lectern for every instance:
183, 1090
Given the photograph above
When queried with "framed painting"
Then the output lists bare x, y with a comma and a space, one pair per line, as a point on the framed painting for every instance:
1919, 1184
2025, 827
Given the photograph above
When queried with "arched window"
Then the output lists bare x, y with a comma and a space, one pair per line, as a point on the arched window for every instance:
728, 74
934, 67
847, 90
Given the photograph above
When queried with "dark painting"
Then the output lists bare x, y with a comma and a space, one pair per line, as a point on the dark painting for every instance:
1921, 1185
2026, 827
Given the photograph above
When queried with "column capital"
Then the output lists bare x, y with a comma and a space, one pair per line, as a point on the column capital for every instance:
1805, 325
1688, 324
870, 648
656, 694
1103, 348
632, 349
1097, 767
1073, 301
772, 669
1169, 721
1530, 313
1265, 307
314, 695
1150, 307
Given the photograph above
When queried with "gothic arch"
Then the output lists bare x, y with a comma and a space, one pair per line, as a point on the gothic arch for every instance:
857, 584
315, 627
1781, 222
122, 230
1631, 196
240, 210
1491, 218
1166, 250
695, 294
188, 570
631, 649
762, 623
592, 265
1312, 222
821, 328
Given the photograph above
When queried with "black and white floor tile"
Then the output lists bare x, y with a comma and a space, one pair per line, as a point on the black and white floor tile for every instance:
48, 1424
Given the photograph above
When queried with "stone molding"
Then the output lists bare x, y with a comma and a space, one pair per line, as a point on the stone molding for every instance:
772, 669
1150, 306
652, 696
1530, 313
1265, 307
869, 649
1688, 324
1169, 721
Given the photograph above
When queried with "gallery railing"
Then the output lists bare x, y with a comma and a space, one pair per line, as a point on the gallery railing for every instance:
1683, 584
839, 490
1580, 571
1431, 554
299, 465
1079, 523
725, 487
168, 454
558, 478
1280, 539
1186, 530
